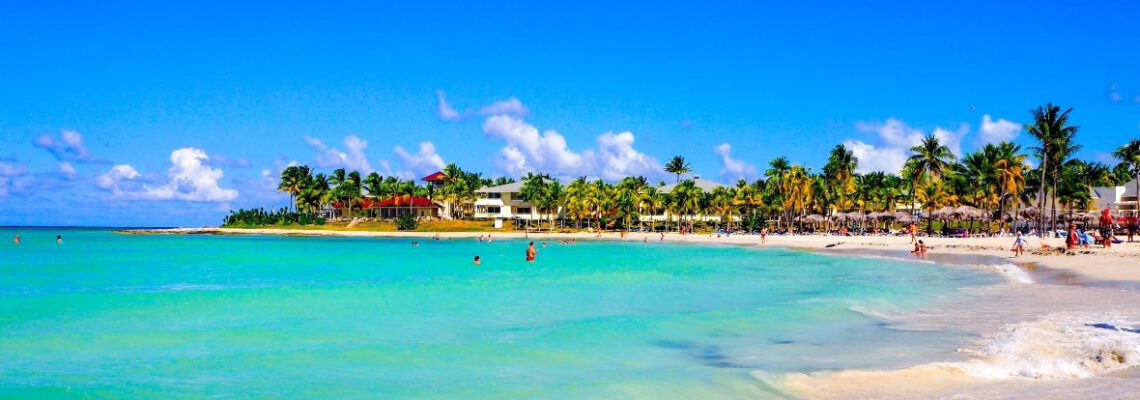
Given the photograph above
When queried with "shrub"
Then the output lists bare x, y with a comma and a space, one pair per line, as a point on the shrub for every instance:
261, 217
407, 222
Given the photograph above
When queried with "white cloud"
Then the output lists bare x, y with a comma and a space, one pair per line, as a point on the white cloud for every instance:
7, 172
424, 162
444, 110
229, 162
616, 158
188, 179
897, 138
871, 158
67, 170
1114, 93
731, 167
997, 131
11, 170
527, 150
69, 146
512, 107
112, 179
352, 158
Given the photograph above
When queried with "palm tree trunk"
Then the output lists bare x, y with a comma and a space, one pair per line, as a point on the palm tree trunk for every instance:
1041, 199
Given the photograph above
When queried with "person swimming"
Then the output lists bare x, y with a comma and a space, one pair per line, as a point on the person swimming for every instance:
16, 239
59, 239
415, 244
531, 252
477, 261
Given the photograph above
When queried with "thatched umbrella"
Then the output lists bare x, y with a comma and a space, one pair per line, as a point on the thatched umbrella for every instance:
903, 217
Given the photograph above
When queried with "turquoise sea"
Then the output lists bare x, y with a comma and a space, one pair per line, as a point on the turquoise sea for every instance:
115, 316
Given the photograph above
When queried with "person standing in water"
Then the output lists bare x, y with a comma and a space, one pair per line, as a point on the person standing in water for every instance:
16, 239
477, 261
59, 239
531, 252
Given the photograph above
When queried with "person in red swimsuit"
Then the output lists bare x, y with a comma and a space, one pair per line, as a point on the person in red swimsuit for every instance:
531, 252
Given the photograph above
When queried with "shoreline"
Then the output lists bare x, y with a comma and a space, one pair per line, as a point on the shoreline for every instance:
1118, 266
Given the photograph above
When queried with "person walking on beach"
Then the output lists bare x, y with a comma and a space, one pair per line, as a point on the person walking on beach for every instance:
764, 236
531, 252
1018, 245
912, 229
1071, 237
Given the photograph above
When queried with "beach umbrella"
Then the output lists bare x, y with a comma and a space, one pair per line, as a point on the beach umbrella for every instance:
903, 217
969, 212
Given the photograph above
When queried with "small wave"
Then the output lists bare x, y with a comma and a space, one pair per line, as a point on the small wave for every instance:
1009, 271
1055, 347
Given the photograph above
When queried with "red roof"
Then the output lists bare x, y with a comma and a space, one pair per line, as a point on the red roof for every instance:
417, 202
437, 176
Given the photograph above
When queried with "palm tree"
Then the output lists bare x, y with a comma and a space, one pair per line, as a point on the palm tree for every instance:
1052, 130
292, 181
1009, 172
686, 199
838, 171
534, 189
796, 189
678, 166
1129, 155
929, 159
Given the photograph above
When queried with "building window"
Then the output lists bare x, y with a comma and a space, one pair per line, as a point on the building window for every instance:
522, 210
494, 196
491, 210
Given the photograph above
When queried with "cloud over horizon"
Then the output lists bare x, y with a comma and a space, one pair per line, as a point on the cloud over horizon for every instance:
511, 106
527, 150
731, 167
895, 140
189, 178
352, 157
68, 146
422, 163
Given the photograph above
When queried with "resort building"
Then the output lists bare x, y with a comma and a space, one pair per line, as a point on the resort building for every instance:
664, 215
504, 203
1121, 200
420, 207
434, 183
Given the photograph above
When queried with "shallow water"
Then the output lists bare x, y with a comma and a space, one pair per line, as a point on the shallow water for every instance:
185, 316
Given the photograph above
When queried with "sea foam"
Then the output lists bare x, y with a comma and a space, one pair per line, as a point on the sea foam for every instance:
1009, 271
1058, 346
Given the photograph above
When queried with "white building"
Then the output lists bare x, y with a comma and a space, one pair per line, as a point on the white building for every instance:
504, 203
1121, 200
665, 216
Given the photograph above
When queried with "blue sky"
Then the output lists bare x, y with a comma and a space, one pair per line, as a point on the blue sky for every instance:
164, 113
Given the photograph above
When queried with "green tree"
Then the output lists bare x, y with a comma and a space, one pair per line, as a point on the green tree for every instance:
678, 166
1051, 128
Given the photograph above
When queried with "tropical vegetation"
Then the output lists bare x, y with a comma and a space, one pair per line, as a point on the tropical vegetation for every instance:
992, 187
